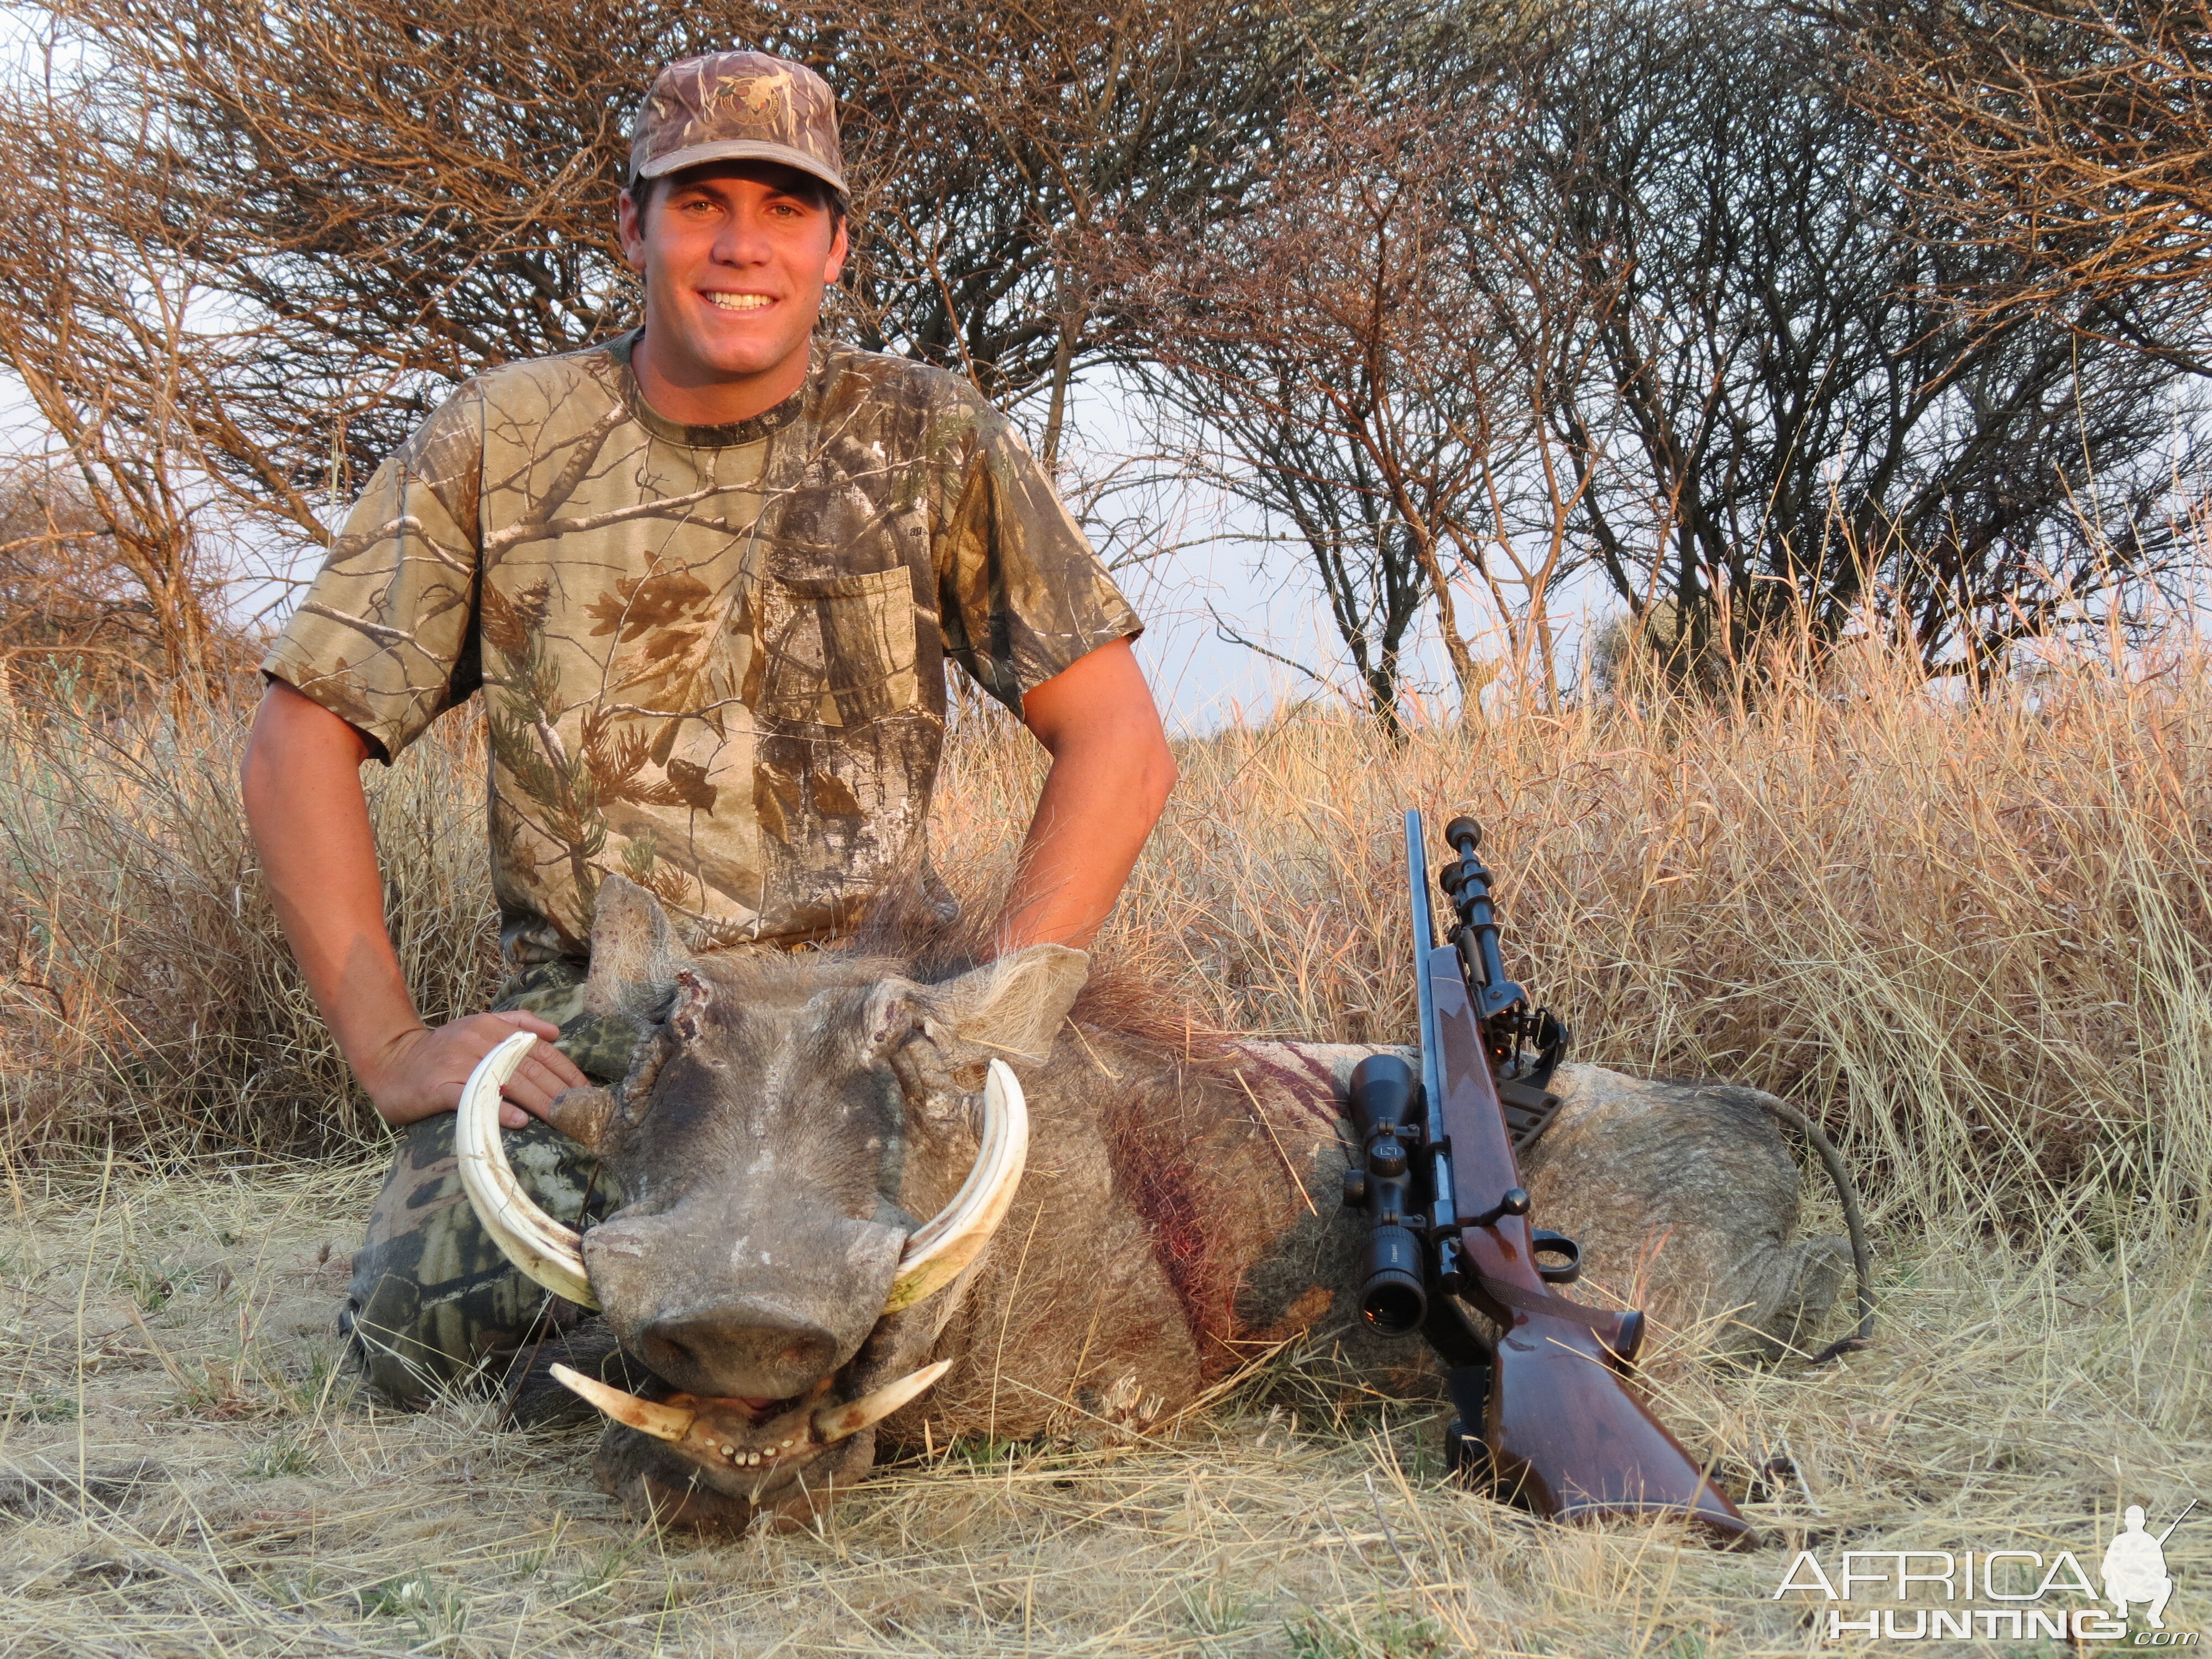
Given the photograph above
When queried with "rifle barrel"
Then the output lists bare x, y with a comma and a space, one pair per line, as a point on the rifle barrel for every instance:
2176, 1522
1436, 1153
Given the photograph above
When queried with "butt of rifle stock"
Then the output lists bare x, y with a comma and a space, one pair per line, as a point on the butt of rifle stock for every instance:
1568, 1439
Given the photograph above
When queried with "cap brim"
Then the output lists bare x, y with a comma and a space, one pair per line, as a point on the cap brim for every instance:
743, 149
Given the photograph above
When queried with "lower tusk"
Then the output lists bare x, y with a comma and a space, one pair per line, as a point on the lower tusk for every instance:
550, 1253
836, 1422
661, 1422
956, 1235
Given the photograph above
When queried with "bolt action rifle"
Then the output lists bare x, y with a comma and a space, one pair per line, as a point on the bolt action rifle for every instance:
1547, 1413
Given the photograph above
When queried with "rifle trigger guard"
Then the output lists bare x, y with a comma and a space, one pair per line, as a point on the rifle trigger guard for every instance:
1567, 1268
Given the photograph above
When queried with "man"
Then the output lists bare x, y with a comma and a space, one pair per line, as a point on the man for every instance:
708, 576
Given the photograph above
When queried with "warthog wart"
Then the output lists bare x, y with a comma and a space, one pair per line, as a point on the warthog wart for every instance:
797, 1135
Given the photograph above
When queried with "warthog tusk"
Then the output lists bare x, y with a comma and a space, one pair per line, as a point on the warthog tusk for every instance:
547, 1250
836, 1422
551, 1253
723, 1431
661, 1422
956, 1235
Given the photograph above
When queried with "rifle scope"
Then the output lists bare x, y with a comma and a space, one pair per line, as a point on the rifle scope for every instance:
1384, 1115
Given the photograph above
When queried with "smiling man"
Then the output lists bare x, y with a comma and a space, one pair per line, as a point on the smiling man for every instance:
708, 576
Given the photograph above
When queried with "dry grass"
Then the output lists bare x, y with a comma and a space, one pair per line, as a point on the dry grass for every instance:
183, 1321
146, 993
1972, 932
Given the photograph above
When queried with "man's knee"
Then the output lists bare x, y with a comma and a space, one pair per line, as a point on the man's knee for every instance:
434, 1302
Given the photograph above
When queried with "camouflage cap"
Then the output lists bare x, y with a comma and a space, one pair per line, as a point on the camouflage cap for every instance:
737, 105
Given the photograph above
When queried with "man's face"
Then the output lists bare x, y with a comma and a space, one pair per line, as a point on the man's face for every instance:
735, 256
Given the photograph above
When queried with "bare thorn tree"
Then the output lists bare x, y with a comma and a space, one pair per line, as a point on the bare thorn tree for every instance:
1780, 409
2073, 136
1325, 340
101, 330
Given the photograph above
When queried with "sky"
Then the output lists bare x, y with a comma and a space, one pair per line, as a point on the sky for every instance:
1207, 568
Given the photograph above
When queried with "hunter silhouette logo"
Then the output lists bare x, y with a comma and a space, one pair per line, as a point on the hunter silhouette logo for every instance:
2135, 1566
2030, 1591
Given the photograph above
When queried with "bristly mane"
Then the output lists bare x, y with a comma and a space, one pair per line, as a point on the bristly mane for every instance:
942, 936
1179, 1152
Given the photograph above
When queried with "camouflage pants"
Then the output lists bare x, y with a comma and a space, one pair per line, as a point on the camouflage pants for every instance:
434, 1305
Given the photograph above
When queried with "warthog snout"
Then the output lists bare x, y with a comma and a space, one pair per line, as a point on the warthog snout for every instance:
701, 1296
776, 1352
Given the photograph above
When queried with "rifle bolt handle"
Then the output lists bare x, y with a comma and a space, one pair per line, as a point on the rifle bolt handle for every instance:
1355, 1190
1513, 1202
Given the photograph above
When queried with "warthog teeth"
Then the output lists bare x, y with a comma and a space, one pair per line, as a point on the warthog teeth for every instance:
661, 1422
672, 1423
836, 1422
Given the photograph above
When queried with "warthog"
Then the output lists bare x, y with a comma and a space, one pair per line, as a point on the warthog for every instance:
775, 1301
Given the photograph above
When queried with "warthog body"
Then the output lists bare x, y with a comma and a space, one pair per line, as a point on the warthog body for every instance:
789, 1119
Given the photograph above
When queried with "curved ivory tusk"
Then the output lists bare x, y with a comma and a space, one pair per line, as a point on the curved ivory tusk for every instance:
953, 1237
661, 1422
836, 1422
550, 1252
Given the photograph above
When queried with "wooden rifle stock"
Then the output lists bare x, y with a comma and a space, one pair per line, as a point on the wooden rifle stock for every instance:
1567, 1435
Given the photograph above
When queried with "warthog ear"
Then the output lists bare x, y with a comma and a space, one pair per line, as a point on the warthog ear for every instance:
1011, 1008
634, 954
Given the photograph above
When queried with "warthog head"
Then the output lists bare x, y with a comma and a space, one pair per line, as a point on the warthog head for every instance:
808, 1150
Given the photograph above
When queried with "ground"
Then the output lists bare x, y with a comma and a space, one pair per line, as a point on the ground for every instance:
186, 1468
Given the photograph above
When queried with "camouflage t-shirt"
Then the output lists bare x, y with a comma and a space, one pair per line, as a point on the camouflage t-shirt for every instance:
712, 656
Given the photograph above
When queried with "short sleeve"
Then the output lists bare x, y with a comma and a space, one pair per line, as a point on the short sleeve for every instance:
1022, 596
386, 638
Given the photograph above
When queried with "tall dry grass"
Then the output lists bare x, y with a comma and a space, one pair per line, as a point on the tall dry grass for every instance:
1969, 927
146, 992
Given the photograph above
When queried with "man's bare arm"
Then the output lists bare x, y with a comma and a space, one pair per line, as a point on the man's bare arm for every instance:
1110, 776
310, 823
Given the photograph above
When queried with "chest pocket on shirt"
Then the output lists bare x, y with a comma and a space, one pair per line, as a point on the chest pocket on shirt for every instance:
837, 650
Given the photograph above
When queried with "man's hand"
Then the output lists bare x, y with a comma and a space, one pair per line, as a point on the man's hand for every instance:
1111, 773
420, 1073
310, 823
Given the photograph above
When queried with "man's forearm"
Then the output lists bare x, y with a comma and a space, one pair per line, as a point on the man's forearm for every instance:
1111, 773
310, 823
